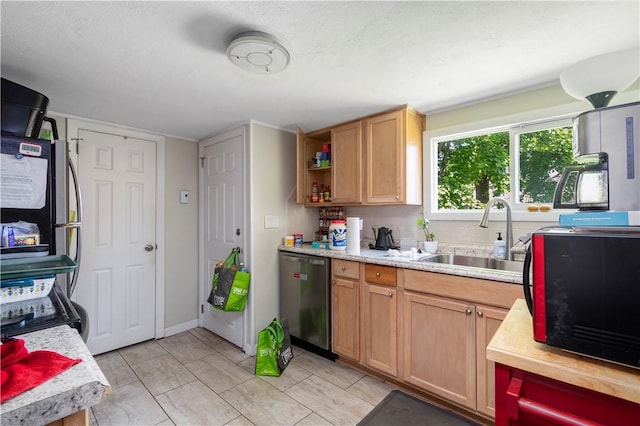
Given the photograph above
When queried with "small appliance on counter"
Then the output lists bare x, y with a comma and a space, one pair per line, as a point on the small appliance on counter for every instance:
586, 287
384, 239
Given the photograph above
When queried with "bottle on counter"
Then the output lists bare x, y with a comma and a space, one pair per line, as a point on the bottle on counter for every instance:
499, 247
11, 240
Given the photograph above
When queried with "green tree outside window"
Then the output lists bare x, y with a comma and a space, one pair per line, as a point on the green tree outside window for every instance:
474, 169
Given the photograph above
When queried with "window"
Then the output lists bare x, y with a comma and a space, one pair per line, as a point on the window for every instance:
520, 163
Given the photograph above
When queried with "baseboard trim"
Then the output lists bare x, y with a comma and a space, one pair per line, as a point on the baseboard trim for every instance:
185, 326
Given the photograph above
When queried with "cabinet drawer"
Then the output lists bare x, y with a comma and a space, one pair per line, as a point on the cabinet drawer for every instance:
378, 274
346, 269
474, 290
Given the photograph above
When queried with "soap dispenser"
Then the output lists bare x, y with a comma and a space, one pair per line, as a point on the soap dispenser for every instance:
499, 247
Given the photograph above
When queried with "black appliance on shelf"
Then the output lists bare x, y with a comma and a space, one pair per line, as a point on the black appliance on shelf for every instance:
34, 182
23, 110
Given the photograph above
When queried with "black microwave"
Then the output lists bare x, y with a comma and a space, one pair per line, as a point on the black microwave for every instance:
582, 286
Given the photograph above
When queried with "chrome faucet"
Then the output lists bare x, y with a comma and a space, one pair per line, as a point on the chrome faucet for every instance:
485, 221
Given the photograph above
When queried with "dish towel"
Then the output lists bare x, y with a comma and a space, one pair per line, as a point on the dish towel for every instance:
21, 370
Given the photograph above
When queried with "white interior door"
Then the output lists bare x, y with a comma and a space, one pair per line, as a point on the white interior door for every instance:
117, 281
221, 223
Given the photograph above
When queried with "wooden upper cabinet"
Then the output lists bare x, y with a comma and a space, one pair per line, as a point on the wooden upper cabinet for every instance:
346, 158
393, 145
308, 144
375, 160
301, 166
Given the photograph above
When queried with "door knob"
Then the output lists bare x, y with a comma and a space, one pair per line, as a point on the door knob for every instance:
148, 247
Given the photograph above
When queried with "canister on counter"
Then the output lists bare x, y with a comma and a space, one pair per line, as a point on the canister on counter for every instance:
288, 240
297, 239
338, 235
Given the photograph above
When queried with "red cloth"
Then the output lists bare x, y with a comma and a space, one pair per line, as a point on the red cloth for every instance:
21, 370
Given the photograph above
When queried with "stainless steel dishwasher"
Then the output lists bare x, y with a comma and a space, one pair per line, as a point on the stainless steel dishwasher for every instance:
305, 300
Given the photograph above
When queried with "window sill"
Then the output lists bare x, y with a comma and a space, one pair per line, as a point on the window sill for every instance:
517, 216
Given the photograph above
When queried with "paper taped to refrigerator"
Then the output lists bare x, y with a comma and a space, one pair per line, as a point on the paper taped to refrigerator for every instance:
24, 182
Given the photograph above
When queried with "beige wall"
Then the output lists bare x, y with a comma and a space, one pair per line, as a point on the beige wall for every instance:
181, 232
272, 185
540, 103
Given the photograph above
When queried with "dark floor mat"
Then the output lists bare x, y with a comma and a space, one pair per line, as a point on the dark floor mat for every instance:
398, 408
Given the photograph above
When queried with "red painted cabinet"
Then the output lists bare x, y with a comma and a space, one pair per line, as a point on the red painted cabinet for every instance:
524, 398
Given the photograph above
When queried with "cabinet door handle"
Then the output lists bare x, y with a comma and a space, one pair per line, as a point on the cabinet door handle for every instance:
480, 314
377, 274
390, 294
468, 311
344, 268
333, 282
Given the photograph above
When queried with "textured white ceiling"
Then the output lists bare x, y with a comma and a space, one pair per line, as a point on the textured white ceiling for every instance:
161, 66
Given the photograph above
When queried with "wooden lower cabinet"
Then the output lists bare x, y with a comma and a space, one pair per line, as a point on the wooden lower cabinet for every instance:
380, 318
487, 322
440, 349
426, 330
380, 324
345, 310
445, 349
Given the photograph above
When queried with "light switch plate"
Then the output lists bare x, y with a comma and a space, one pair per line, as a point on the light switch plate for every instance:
271, 222
184, 197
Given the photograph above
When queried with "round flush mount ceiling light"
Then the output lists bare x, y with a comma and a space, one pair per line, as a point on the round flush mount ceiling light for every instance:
258, 52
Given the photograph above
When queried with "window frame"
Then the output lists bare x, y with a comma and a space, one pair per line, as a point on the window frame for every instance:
519, 212
514, 151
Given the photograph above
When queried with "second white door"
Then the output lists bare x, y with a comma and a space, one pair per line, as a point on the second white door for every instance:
222, 222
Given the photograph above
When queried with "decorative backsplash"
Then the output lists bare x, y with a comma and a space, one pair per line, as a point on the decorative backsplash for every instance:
464, 235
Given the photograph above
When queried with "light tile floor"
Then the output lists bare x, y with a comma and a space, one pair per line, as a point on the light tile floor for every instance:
198, 378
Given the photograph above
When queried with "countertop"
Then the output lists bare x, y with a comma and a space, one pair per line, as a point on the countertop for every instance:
75, 389
383, 258
513, 346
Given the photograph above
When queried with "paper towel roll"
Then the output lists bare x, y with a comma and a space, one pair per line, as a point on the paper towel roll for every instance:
353, 235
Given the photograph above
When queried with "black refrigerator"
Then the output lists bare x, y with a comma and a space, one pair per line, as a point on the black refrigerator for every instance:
36, 235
